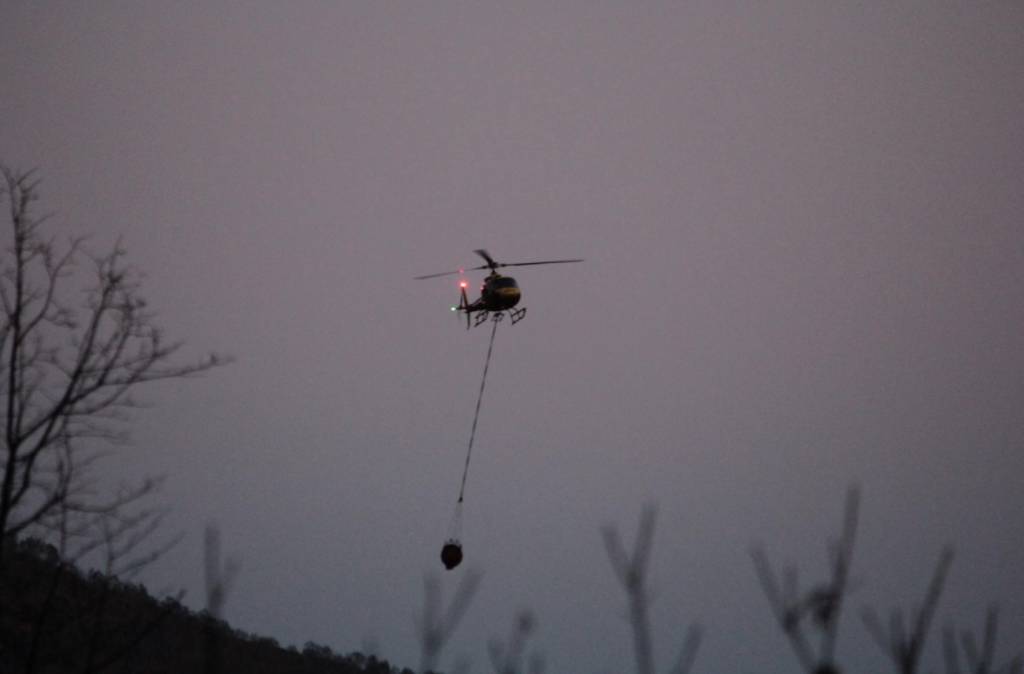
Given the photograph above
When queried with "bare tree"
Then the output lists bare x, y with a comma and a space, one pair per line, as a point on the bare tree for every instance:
819, 607
632, 573
67, 373
76, 339
219, 574
904, 646
437, 624
508, 657
219, 577
980, 657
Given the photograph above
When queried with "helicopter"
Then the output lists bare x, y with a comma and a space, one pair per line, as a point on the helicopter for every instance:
498, 294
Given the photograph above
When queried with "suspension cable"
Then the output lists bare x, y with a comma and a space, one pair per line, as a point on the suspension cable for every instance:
476, 415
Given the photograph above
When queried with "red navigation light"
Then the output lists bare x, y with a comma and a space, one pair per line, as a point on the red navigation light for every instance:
463, 284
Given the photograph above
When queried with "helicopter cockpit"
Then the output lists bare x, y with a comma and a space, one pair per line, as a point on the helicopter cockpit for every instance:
502, 282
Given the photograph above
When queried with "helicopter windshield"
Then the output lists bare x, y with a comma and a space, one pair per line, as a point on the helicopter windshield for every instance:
504, 282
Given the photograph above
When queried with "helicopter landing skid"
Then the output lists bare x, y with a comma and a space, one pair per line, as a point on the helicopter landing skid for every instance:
498, 316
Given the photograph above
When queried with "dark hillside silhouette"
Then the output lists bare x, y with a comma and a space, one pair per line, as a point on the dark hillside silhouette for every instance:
91, 622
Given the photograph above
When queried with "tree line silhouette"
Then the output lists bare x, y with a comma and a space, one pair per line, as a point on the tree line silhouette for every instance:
61, 619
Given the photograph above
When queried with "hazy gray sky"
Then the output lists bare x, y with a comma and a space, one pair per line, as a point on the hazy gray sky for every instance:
804, 268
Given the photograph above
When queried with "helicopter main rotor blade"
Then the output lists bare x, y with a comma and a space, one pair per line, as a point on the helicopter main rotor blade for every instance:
527, 264
449, 273
491, 264
442, 273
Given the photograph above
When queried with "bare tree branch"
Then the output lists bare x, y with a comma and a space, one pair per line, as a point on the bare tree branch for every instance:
632, 573
631, 570
437, 624
507, 658
818, 608
902, 648
688, 653
980, 659
219, 576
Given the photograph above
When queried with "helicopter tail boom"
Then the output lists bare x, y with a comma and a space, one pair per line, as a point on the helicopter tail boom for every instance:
464, 302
